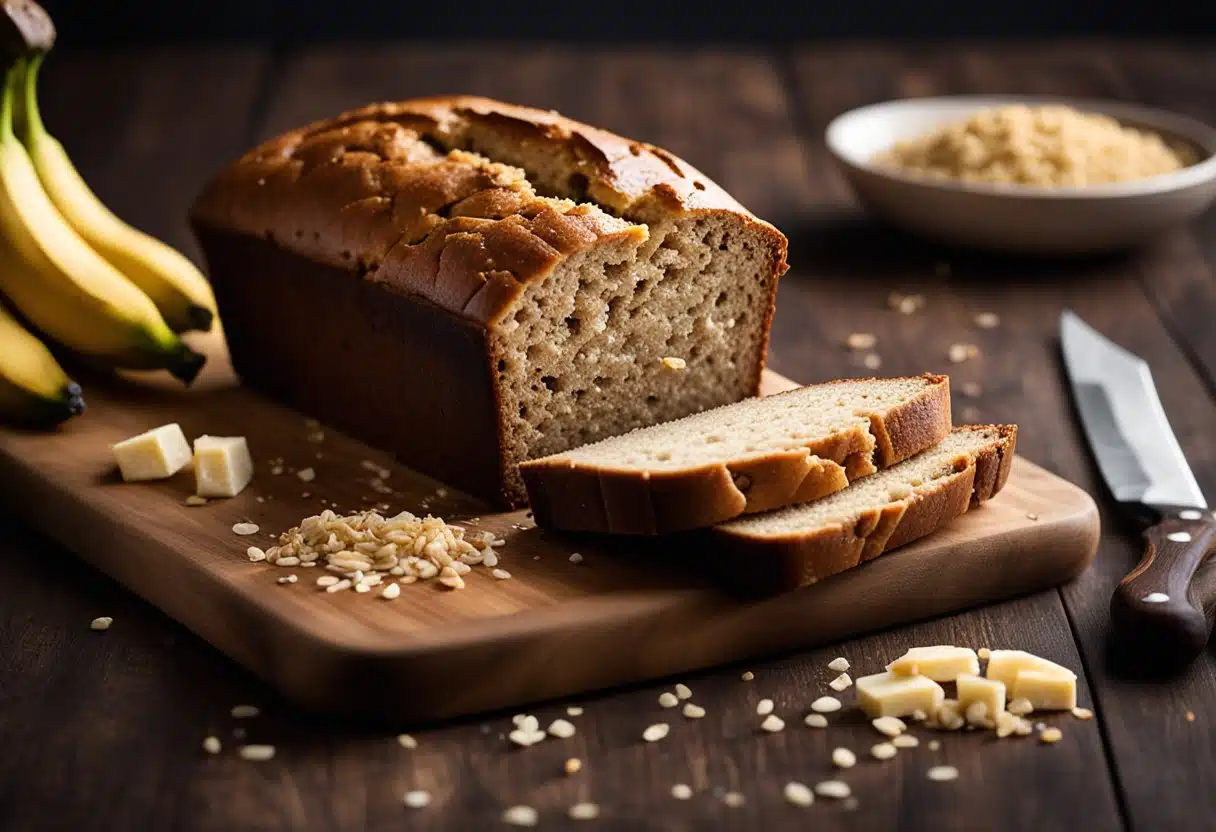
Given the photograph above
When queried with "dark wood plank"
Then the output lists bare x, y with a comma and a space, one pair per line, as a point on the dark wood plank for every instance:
1021, 378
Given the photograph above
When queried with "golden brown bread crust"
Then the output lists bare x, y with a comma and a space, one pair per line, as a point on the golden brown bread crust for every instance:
584, 497
389, 191
778, 564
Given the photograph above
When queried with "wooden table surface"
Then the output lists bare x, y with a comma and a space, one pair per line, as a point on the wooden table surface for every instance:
103, 731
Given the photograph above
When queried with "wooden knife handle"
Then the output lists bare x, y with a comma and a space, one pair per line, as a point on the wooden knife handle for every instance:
1157, 606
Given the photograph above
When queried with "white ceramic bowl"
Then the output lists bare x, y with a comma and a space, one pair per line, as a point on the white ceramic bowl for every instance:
1021, 218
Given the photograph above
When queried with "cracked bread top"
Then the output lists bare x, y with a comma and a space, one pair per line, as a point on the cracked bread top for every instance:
460, 200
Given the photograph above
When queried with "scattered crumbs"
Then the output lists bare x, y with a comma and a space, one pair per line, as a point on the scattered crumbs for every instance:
391, 592
839, 664
958, 353
905, 741
1190, 716
536, 557
255, 554
943, 773
656, 732
889, 726
883, 751
764, 707
1082, 713
417, 798
276, 469
501, 574
673, 363
872, 361
683, 691
574, 710
919, 716
576, 558
304, 495
984, 653
1020, 707
562, 729
861, 341
1030, 515
905, 304
972, 390
935, 745
826, 705
987, 320
584, 811
681, 791
693, 711
288, 579
772, 723
261, 499
257, 753
734, 799
574, 765
816, 721
245, 711
841, 682
520, 816
667, 699
212, 745
101, 624
747, 676
843, 758
525, 736
195, 500
407, 741
836, 789
306, 474
798, 793
1051, 735
245, 528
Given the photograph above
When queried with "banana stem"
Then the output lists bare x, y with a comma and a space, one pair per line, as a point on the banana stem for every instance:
26, 115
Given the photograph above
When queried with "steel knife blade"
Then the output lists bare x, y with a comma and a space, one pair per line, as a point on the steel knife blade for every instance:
1145, 469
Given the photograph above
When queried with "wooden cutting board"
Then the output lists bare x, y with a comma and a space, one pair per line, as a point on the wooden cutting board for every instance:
556, 628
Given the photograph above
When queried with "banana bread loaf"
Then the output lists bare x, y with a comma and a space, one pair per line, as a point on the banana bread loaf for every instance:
471, 284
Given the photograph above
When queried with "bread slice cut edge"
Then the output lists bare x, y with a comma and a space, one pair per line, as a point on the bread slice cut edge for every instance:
575, 496
786, 560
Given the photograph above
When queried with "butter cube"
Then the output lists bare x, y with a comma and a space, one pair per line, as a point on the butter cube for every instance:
222, 465
154, 455
989, 692
941, 663
1046, 691
1005, 665
892, 694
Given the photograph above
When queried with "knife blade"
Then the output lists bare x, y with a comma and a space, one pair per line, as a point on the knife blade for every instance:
1157, 605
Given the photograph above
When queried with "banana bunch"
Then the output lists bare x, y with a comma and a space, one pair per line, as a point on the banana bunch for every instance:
69, 268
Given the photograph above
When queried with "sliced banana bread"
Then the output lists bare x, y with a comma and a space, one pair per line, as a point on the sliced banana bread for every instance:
802, 544
471, 284
748, 457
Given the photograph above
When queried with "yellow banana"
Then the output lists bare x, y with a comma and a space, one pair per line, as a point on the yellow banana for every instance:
178, 289
34, 389
61, 285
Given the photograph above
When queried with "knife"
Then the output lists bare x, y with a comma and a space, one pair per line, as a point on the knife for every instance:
1157, 606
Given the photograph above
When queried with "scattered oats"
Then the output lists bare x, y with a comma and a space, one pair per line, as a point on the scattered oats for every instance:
288, 561
245, 711
212, 745
1020, 707
195, 500
656, 732
987, 320
799, 794
843, 758
816, 721
1031, 516
681, 791
406, 741
101, 624
574, 710
417, 798
501, 575
683, 691
747, 676
667, 699
561, 729
693, 711
943, 773
306, 474
288, 579
772, 723
935, 745
861, 341
883, 751
972, 390
574, 765
841, 682
872, 361
674, 363
734, 799
840, 664
576, 558
835, 789
339, 586
1050, 735
245, 528
520, 816
764, 707
1082, 713
889, 726
257, 753
826, 705
905, 741
327, 580
584, 811
919, 716
390, 592
958, 353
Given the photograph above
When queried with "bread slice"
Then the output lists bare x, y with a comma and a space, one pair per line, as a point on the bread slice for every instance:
799, 545
752, 456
